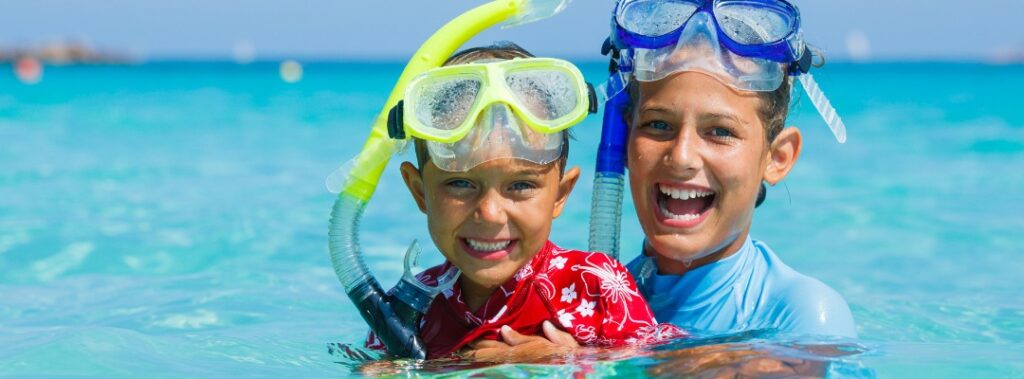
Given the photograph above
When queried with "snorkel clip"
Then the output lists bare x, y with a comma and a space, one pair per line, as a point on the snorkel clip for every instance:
396, 127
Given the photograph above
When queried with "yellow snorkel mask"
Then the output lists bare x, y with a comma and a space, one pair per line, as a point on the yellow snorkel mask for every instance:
472, 113
394, 316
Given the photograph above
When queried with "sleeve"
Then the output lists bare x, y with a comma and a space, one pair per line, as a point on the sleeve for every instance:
627, 317
373, 343
813, 308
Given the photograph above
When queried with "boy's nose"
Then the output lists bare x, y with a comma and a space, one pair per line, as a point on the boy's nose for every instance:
491, 208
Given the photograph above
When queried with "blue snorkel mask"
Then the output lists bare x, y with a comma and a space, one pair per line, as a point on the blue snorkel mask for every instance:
767, 29
750, 45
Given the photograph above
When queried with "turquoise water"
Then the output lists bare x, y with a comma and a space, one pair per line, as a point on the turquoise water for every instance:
170, 219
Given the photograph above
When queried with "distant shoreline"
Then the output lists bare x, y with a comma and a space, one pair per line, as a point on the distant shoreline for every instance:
64, 53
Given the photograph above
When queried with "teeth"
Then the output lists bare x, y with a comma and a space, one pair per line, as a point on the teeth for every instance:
487, 246
683, 194
680, 194
682, 217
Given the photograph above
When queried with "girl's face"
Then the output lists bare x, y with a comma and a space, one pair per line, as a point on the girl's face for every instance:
697, 154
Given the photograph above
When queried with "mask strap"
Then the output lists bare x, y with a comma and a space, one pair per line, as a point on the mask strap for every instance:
396, 124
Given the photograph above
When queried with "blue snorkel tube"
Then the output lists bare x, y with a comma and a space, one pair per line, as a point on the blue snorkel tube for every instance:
609, 173
610, 170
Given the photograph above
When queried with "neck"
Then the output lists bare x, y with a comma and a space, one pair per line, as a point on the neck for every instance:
669, 266
475, 294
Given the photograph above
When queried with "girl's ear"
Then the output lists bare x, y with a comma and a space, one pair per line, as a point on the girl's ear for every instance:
782, 155
414, 181
565, 186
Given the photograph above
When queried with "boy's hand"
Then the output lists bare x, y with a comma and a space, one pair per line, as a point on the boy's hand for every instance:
516, 347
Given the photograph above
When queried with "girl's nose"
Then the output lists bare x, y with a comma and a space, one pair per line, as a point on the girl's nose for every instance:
683, 155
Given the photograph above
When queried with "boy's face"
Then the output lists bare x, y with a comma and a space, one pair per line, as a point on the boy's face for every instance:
491, 220
697, 154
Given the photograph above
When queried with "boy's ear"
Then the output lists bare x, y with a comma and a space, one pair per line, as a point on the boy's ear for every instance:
783, 154
414, 181
565, 186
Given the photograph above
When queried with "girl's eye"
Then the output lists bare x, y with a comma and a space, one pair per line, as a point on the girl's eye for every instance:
658, 125
721, 132
521, 186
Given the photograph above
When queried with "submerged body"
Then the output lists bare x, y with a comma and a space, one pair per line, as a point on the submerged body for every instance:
589, 295
751, 289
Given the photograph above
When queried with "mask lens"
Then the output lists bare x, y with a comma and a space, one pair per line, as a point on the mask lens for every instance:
545, 94
497, 134
754, 23
445, 104
655, 18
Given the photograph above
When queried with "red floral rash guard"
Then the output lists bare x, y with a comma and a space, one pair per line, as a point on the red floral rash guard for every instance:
590, 295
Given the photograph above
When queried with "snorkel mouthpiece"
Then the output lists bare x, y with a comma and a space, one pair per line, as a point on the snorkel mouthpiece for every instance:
394, 317
534, 10
414, 293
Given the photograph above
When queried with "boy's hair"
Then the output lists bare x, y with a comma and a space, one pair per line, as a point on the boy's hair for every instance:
773, 110
503, 50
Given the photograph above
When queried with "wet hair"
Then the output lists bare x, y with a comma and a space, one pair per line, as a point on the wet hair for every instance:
502, 50
775, 108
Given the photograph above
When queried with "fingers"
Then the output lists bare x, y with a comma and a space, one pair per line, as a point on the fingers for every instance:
516, 347
485, 350
487, 344
551, 334
557, 336
513, 338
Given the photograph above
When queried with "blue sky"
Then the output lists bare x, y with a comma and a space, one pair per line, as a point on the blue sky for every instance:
345, 29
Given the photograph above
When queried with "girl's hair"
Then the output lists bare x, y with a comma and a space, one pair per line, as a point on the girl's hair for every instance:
502, 50
775, 108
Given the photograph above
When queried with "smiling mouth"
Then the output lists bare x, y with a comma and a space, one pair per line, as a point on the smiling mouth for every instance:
488, 249
684, 205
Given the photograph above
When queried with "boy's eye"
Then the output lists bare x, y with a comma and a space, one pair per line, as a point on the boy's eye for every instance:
522, 186
459, 183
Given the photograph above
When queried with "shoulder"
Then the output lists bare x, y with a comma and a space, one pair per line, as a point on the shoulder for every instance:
577, 260
566, 266
815, 308
805, 305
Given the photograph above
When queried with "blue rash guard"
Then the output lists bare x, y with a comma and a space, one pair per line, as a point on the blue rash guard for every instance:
749, 290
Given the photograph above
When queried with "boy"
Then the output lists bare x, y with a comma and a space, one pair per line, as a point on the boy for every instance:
490, 192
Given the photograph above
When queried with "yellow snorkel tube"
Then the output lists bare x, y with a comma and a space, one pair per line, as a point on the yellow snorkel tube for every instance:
394, 316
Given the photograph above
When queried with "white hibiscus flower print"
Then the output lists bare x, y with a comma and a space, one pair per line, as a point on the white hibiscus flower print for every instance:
557, 262
586, 308
524, 272
569, 293
565, 319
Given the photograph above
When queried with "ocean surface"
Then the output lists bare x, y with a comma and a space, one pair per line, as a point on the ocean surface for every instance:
170, 220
